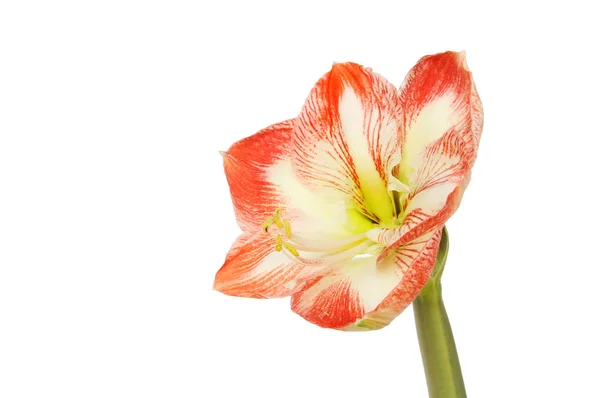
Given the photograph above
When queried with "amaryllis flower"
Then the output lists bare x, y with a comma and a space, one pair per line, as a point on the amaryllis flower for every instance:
342, 208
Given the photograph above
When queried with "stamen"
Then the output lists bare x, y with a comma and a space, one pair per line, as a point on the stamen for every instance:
290, 248
288, 229
268, 222
331, 260
326, 245
282, 225
275, 219
327, 252
344, 255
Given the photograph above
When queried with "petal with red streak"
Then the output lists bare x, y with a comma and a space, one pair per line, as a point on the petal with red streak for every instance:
440, 177
443, 120
247, 164
439, 95
347, 138
416, 259
254, 269
368, 289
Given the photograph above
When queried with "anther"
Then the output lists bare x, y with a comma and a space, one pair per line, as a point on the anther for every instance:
278, 222
268, 222
277, 218
291, 249
279, 243
288, 229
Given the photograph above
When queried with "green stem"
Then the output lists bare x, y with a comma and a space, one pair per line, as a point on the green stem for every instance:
438, 350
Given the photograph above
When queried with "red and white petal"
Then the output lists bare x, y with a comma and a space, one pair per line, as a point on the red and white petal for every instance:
443, 123
440, 177
441, 170
439, 95
262, 179
416, 259
347, 138
247, 164
368, 287
254, 269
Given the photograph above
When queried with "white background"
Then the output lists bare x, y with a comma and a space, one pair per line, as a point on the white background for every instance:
115, 213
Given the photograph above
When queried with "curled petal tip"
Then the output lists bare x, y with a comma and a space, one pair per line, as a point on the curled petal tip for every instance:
462, 59
223, 153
